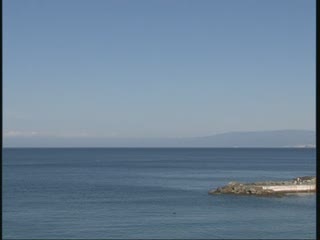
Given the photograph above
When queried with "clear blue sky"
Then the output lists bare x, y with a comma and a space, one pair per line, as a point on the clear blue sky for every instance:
157, 68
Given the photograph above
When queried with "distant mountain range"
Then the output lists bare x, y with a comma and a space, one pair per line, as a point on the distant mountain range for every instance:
277, 138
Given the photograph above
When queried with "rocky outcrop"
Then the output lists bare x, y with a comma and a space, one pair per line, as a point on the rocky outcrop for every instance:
296, 185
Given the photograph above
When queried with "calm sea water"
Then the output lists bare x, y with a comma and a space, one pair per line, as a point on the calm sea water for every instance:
152, 193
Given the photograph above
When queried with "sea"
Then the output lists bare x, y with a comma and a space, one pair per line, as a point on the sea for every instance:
152, 193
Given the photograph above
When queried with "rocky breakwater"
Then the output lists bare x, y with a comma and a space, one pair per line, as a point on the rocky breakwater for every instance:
269, 188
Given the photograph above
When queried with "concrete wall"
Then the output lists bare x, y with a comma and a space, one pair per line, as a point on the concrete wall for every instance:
291, 188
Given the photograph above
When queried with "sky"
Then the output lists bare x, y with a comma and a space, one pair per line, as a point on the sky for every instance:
159, 68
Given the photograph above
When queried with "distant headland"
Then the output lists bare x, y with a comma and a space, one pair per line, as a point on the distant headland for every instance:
248, 139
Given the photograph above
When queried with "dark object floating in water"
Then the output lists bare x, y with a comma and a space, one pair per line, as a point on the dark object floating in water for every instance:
269, 188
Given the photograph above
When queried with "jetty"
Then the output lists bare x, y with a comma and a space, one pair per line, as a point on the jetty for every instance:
305, 184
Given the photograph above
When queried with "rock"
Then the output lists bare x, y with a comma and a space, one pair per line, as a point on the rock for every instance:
232, 183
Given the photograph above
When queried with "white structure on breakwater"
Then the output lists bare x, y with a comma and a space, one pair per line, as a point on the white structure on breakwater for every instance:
291, 188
